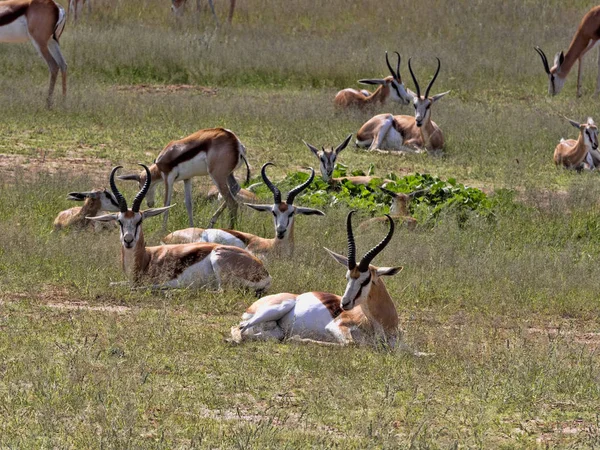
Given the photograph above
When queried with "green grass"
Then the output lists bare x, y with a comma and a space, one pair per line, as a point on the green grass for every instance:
509, 306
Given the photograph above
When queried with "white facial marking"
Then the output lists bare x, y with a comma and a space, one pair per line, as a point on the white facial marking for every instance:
422, 110
283, 220
356, 289
129, 229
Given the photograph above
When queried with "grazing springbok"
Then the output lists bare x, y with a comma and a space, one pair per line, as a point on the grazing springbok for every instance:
186, 265
398, 210
283, 218
177, 6
215, 152
571, 153
327, 159
364, 314
41, 22
406, 133
585, 38
76, 8
94, 201
390, 88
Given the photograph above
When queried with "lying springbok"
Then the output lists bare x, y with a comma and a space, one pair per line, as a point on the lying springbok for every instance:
364, 314
327, 159
406, 133
215, 152
398, 210
76, 8
177, 6
586, 37
390, 88
571, 153
186, 265
41, 22
95, 201
283, 217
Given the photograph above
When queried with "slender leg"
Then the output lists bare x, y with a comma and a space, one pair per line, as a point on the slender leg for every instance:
168, 193
579, 77
598, 76
54, 49
53, 68
382, 133
231, 11
212, 9
223, 188
188, 199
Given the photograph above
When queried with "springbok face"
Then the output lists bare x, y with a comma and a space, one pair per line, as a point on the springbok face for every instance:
177, 7
589, 130
129, 220
141, 180
107, 200
423, 103
328, 157
555, 80
284, 211
360, 278
398, 92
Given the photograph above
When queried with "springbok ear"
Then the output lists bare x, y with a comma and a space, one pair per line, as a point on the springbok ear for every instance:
388, 271
343, 145
590, 121
339, 258
436, 97
309, 211
155, 211
559, 59
312, 149
574, 123
412, 94
268, 208
130, 177
77, 196
104, 218
372, 81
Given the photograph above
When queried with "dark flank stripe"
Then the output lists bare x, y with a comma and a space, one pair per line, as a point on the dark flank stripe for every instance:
331, 301
10, 15
179, 153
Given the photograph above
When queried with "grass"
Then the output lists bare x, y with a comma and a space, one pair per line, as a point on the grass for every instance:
508, 306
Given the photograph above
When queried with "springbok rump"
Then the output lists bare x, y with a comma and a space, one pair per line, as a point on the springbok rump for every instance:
364, 314
41, 22
187, 265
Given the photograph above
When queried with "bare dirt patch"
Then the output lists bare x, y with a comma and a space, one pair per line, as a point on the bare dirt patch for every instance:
166, 89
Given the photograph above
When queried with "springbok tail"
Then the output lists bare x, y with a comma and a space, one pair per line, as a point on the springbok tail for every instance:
60, 23
243, 156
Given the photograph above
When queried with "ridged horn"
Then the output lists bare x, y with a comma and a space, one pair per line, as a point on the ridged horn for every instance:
292, 194
120, 199
271, 186
351, 244
434, 77
544, 59
137, 201
371, 254
414, 79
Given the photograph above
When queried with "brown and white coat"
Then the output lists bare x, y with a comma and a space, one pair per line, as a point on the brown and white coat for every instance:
95, 201
573, 154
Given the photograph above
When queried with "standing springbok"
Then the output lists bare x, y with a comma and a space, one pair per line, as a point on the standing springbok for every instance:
76, 8
406, 133
364, 314
283, 218
177, 6
327, 159
585, 38
390, 88
398, 209
215, 152
573, 153
41, 22
94, 201
186, 265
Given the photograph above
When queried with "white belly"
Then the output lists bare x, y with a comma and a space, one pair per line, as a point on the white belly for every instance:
393, 140
197, 275
221, 237
308, 319
16, 31
197, 166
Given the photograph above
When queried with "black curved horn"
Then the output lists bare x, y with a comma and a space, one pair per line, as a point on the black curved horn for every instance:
351, 244
398, 77
544, 59
292, 194
414, 79
387, 61
116, 193
137, 201
274, 190
434, 77
371, 254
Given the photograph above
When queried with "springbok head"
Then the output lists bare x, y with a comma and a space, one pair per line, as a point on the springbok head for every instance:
141, 178
130, 220
423, 103
398, 92
177, 7
284, 211
555, 80
588, 130
363, 276
107, 200
327, 157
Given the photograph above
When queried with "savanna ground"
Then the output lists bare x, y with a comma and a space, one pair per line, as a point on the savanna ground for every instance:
508, 306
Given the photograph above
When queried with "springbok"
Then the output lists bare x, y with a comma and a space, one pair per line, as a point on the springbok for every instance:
76, 8
390, 88
177, 6
406, 133
186, 265
327, 159
585, 38
215, 152
283, 218
364, 314
398, 210
571, 153
94, 201
41, 22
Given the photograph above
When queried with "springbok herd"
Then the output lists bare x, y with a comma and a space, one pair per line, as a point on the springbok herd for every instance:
199, 258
